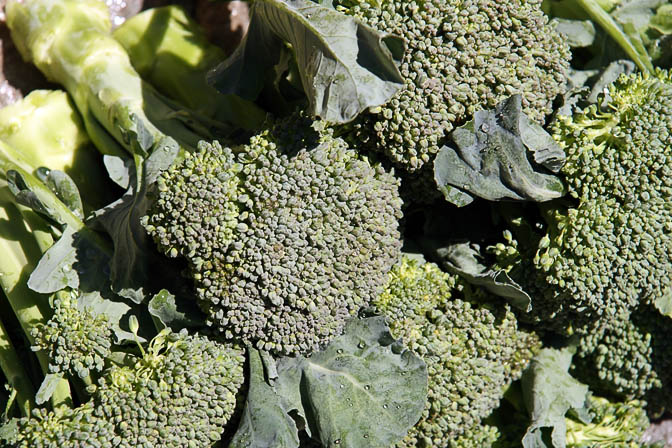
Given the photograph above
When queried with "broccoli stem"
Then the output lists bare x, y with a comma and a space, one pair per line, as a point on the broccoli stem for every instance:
602, 18
12, 367
20, 253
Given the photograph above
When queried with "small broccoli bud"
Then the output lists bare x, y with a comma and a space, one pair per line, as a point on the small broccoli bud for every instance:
472, 349
286, 237
461, 56
75, 340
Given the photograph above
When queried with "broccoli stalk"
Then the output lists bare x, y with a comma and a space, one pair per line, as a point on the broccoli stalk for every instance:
12, 368
170, 50
70, 42
21, 251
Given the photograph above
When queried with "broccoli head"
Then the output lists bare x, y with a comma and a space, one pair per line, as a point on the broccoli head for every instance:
180, 393
75, 340
629, 357
472, 349
286, 237
65, 427
461, 56
607, 247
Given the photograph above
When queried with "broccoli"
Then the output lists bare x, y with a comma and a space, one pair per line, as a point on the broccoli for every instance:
472, 349
70, 42
461, 56
613, 425
76, 341
286, 237
628, 357
607, 247
180, 393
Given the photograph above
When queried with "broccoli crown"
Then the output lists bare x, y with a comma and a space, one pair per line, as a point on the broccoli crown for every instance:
180, 394
613, 425
629, 357
472, 350
75, 340
65, 428
461, 56
286, 237
611, 249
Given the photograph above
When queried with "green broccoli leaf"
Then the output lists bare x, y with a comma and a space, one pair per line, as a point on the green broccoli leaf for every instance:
174, 313
363, 389
550, 392
49, 385
579, 33
121, 220
463, 259
266, 420
497, 156
63, 187
345, 66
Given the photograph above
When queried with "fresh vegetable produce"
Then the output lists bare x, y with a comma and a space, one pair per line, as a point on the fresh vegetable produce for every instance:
373, 224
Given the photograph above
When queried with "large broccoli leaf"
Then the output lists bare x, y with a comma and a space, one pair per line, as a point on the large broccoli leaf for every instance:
550, 392
363, 389
345, 66
500, 155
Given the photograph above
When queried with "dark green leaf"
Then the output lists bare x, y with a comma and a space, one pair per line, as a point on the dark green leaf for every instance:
345, 66
463, 259
265, 421
363, 389
64, 188
491, 159
121, 220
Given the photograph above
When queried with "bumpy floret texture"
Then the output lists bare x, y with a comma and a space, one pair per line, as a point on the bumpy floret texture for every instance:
472, 350
75, 340
461, 56
286, 238
65, 428
629, 357
613, 425
611, 249
181, 393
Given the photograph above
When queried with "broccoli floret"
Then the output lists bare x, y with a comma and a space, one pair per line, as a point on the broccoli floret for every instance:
628, 356
64, 428
180, 394
608, 246
76, 341
286, 237
472, 349
462, 56
613, 425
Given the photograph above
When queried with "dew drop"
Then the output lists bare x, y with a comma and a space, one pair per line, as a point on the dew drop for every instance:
367, 387
339, 351
342, 386
361, 345
337, 442
384, 406
366, 436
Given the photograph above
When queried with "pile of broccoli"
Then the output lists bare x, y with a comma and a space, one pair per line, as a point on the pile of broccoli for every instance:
264, 249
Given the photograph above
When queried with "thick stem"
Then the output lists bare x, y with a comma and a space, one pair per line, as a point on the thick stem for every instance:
602, 18
17, 377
